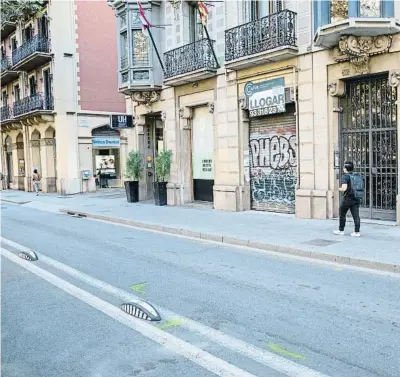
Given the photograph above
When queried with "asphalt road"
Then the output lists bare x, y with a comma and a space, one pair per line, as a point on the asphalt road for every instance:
226, 311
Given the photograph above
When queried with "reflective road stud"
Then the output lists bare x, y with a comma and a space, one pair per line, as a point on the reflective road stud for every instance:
28, 255
142, 310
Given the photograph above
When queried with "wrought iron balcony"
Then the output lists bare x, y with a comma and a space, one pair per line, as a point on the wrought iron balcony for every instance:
194, 59
35, 103
272, 37
7, 74
31, 54
5, 113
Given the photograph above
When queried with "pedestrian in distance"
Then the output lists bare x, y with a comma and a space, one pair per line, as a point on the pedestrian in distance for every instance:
352, 186
36, 181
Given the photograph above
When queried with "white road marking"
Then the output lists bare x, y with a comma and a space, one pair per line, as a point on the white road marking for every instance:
196, 355
269, 359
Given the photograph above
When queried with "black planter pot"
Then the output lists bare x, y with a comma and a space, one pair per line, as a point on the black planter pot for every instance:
160, 193
132, 191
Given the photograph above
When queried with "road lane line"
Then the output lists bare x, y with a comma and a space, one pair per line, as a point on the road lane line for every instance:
196, 355
269, 359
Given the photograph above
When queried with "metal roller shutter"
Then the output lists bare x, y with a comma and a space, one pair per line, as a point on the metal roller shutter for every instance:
273, 162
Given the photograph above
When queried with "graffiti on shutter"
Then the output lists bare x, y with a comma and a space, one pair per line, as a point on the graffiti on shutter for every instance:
273, 163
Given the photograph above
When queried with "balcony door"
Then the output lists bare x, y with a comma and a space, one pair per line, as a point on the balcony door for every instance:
17, 93
47, 91
195, 25
27, 33
43, 28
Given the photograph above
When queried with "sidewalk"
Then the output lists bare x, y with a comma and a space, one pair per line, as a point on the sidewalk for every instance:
377, 248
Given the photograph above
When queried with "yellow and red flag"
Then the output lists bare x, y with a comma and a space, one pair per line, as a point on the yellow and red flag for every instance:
203, 12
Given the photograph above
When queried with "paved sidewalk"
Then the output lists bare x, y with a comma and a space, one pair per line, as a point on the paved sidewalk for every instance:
377, 248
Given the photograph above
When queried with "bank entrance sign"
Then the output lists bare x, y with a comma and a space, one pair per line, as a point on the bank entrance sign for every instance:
267, 97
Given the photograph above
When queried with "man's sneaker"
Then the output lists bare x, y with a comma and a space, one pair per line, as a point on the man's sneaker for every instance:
355, 234
338, 232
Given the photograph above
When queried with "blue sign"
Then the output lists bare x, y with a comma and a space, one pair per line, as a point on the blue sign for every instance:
110, 142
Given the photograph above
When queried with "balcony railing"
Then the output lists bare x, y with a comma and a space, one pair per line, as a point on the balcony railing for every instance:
189, 58
37, 102
35, 44
267, 33
5, 64
5, 113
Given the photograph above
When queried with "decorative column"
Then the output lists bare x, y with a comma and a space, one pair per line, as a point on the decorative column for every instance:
48, 166
185, 158
18, 165
394, 81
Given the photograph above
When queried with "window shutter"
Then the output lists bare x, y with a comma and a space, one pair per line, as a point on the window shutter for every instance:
387, 8
354, 8
322, 13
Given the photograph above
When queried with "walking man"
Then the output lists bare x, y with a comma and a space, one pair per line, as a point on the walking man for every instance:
352, 186
36, 181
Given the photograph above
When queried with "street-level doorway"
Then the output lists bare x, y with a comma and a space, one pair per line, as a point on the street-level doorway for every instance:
203, 155
9, 161
153, 143
106, 157
368, 137
273, 162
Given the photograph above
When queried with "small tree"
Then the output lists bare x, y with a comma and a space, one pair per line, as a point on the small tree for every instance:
20, 10
163, 165
134, 166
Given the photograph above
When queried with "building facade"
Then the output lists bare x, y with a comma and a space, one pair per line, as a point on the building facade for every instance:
58, 89
263, 113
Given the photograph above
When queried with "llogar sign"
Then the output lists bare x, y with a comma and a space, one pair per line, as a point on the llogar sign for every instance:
267, 97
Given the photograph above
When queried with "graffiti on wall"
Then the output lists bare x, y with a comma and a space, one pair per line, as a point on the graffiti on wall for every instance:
273, 170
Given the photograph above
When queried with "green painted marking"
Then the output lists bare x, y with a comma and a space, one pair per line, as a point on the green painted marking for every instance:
171, 323
338, 269
139, 287
282, 351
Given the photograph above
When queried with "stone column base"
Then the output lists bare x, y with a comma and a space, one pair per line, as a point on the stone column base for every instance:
314, 204
69, 186
231, 198
173, 194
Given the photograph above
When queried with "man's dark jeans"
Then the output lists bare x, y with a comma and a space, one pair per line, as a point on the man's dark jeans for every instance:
354, 206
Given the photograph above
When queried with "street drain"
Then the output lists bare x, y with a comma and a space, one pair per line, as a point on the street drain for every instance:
142, 310
28, 255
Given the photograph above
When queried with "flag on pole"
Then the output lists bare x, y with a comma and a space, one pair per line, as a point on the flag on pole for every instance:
203, 12
145, 22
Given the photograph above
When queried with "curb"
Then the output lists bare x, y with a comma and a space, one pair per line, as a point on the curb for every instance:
14, 201
240, 242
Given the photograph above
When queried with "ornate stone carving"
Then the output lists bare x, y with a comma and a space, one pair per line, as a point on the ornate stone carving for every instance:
394, 78
185, 113
47, 142
243, 103
140, 120
336, 88
145, 98
211, 107
358, 50
18, 145
35, 143
163, 115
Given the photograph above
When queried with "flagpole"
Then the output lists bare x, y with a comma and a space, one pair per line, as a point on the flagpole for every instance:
209, 39
155, 48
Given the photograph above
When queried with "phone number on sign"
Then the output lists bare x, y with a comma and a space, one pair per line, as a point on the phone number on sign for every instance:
267, 110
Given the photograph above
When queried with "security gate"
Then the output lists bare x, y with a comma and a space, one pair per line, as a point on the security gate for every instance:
369, 139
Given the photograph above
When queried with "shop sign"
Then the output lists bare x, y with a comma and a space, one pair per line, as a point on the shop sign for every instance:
107, 142
267, 97
121, 121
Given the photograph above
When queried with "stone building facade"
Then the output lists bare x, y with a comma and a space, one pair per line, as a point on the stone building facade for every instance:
263, 114
57, 96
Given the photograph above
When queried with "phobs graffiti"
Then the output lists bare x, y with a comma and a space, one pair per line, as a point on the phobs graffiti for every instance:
273, 164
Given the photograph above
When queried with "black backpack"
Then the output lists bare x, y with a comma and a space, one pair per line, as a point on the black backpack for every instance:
357, 186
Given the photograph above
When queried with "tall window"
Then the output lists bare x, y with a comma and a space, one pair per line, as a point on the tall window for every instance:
262, 8
124, 49
14, 44
195, 25
43, 27
32, 86
17, 93
4, 98
27, 33
140, 43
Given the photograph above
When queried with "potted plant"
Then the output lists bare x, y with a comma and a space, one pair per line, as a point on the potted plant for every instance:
163, 168
134, 170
